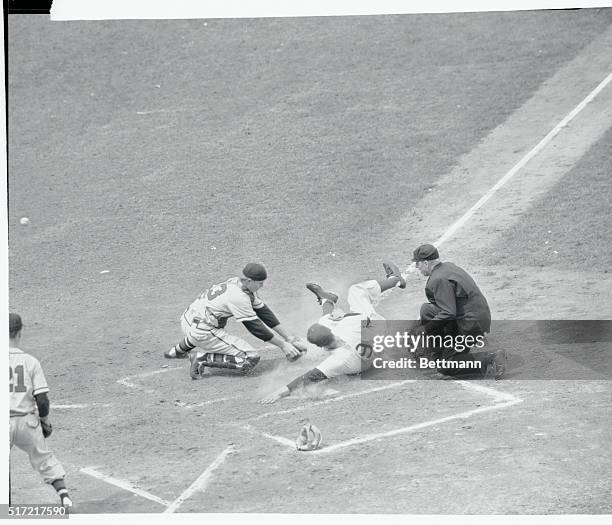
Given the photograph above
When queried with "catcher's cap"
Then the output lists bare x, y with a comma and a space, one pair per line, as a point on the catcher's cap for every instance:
15, 323
425, 252
319, 335
255, 271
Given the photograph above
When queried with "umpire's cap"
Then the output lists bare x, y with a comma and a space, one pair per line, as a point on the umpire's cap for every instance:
320, 335
15, 324
425, 252
255, 271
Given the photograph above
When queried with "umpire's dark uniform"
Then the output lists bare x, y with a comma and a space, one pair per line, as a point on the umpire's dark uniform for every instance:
454, 297
455, 306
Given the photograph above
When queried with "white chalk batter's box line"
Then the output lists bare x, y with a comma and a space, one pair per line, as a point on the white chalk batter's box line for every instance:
501, 400
134, 382
331, 396
129, 380
200, 485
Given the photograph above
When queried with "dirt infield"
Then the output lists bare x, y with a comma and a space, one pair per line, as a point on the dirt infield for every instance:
155, 158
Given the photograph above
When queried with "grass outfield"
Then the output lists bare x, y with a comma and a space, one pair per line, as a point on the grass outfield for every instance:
570, 228
311, 135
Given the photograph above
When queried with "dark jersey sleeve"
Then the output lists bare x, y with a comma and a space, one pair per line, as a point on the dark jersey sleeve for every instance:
312, 376
258, 329
42, 402
267, 316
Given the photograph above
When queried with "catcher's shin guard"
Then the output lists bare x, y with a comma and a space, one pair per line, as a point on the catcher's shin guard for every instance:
251, 362
242, 362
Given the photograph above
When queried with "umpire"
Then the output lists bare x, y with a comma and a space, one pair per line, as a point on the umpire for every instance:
455, 307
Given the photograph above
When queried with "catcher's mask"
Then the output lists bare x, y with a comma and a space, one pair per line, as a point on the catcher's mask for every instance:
309, 438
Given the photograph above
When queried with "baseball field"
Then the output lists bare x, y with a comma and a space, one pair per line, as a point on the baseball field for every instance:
155, 158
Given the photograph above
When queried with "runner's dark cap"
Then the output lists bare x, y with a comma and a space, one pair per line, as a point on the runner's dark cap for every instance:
320, 335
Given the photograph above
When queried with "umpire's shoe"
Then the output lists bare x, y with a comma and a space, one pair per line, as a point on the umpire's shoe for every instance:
497, 366
322, 294
392, 270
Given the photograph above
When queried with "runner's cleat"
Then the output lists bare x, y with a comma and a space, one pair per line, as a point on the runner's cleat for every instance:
392, 270
322, 294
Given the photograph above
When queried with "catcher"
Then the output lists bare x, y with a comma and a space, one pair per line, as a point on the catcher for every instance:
340, 333
203, 325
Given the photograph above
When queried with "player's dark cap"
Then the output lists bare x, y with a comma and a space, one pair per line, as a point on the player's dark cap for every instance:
255, 271
320, 335
425, 252
15, 324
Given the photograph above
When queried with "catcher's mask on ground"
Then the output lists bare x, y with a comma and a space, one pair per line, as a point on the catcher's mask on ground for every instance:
309, 438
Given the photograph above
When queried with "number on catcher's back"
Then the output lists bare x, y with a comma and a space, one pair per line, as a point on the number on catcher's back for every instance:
215, 291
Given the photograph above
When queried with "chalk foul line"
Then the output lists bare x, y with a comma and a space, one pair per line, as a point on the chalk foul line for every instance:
521, 163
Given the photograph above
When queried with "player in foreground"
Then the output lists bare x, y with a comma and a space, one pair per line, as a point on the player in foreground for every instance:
28, 392
203, 324
340, 333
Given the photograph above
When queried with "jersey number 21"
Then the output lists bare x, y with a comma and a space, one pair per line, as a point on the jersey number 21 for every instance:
20, 386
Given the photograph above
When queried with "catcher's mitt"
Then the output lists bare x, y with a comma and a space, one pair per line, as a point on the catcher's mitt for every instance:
301, 345
309, 438
46, 427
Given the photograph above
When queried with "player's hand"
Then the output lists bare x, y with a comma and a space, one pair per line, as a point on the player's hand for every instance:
275, 396
291, 352
46, 427
299, 343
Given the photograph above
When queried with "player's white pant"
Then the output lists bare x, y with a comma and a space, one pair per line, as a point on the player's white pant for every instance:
26, 434
363, 296
346, 360
215, 340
